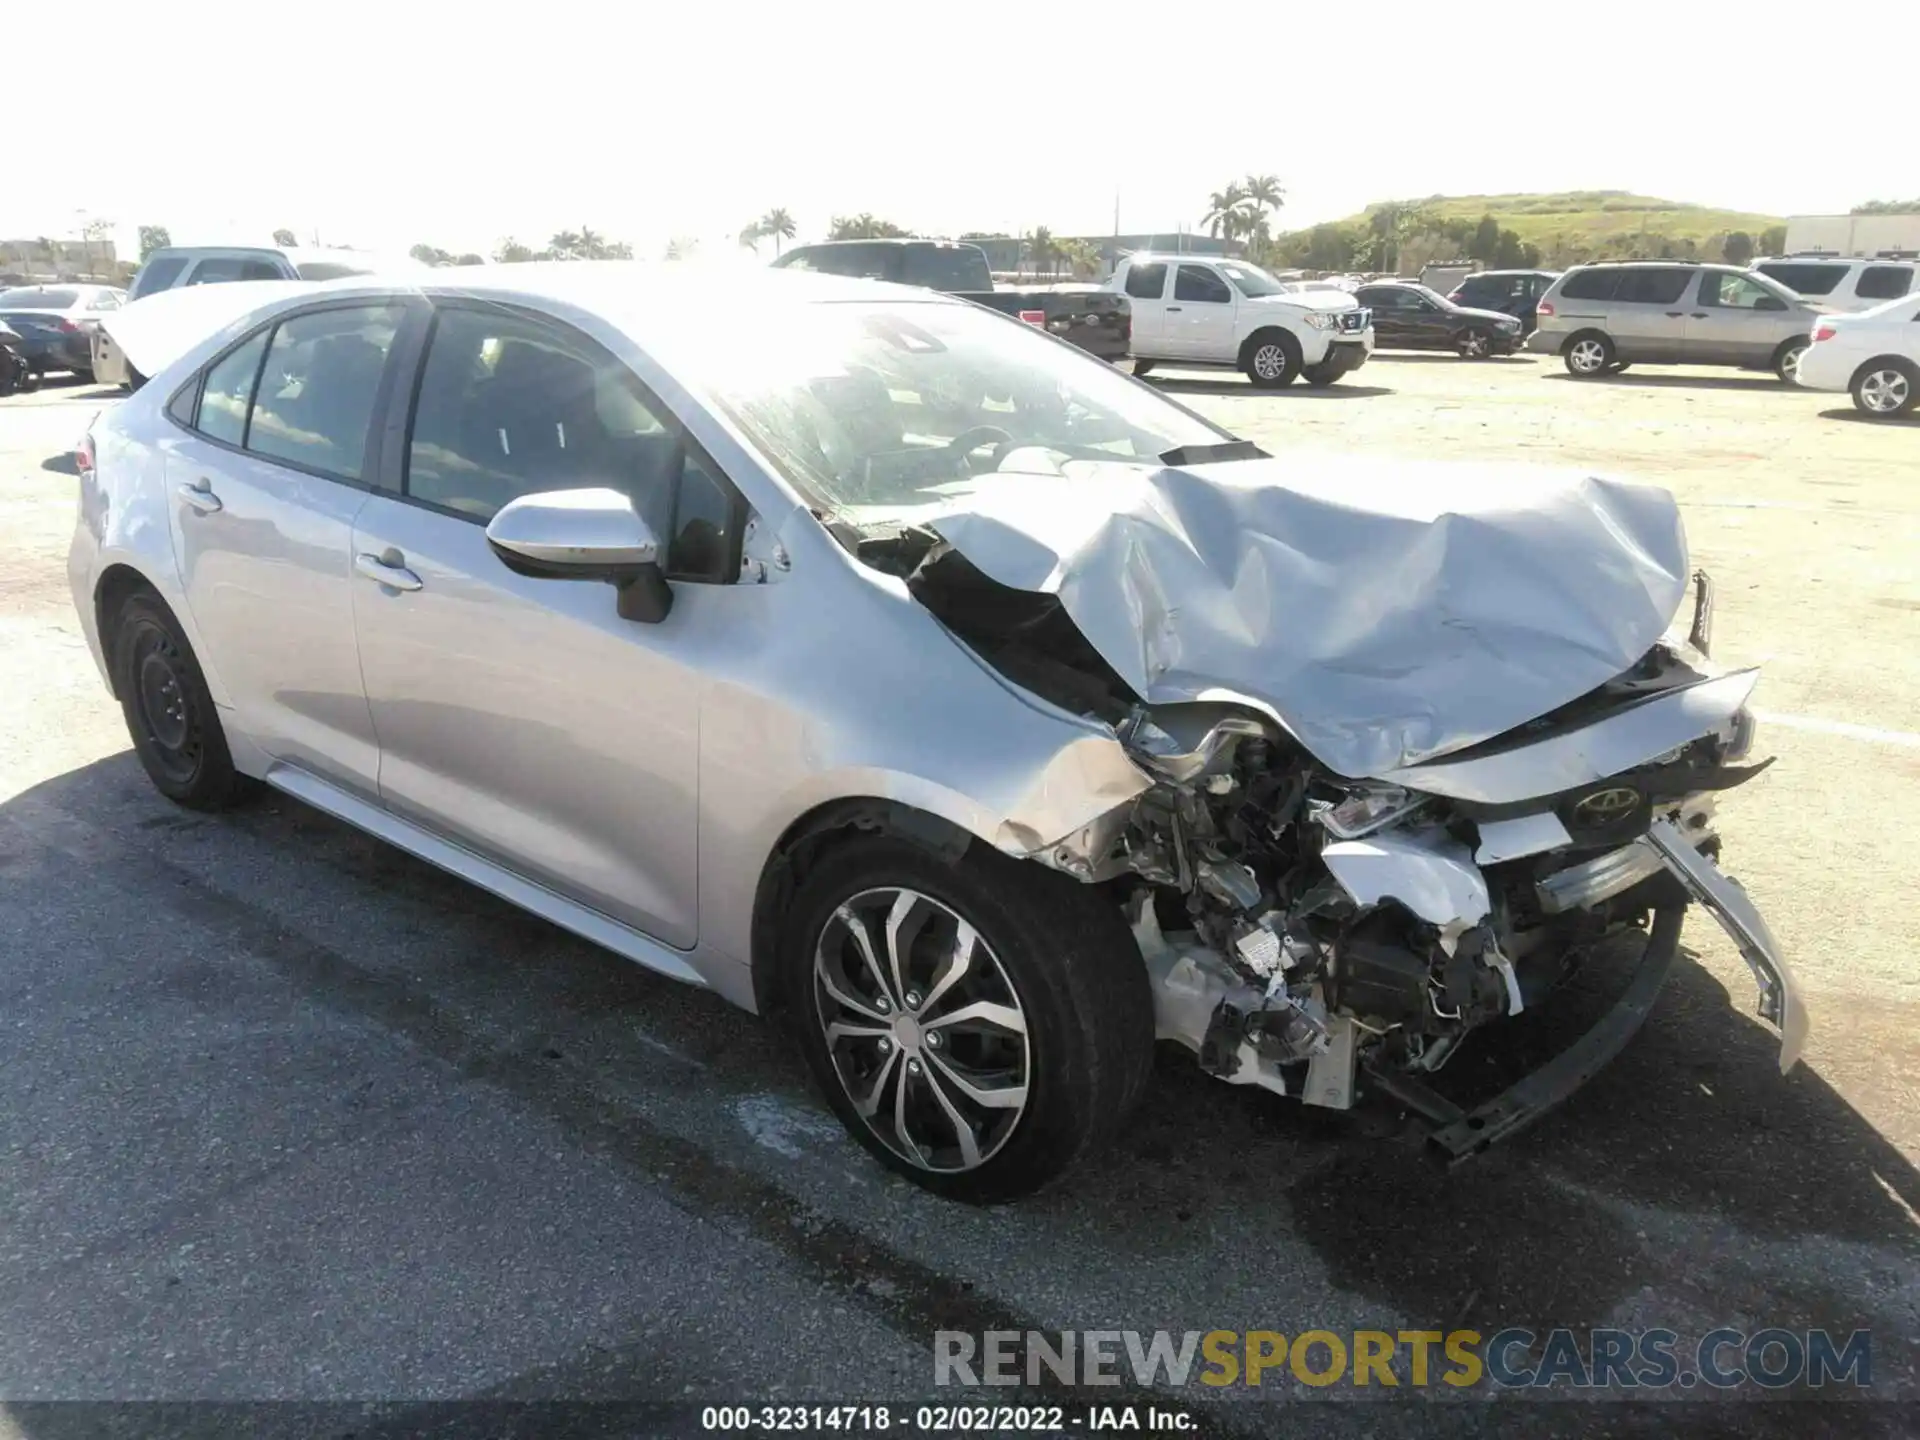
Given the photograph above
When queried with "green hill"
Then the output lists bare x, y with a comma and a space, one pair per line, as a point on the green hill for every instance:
1564, 228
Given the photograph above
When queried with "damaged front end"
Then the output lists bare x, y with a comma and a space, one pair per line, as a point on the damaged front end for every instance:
1322, 937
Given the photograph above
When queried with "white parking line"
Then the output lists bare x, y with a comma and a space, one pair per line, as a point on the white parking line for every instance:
1906, 738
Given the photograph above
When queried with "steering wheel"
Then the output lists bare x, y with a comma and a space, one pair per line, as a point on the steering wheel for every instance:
972, 438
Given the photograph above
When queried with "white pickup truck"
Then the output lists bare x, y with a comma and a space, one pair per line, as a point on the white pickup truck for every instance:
1194, 310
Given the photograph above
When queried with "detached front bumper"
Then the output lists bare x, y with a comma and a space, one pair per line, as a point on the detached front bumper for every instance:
1458, 1134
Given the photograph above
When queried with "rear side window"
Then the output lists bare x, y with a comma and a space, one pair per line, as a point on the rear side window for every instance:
330, 269
314, 406
1652, 287
160, 273
1804, 279
1590, 285
1884, 282
217, 269
948, 268
229, 391
1197, 283
859, 261
1146, 282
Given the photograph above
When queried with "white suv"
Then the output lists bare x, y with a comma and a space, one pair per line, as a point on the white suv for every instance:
1836, 282
1210, 310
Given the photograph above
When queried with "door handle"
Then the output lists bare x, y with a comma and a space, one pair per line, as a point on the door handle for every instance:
1676, 314
1173, 310
1699, 314
387, 571
200, 496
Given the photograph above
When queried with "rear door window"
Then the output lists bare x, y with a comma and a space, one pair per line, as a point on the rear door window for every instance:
1146, 282
1656, 285
1884, 282
1198, 283
314, 406
1590, 285
228, 393
1803, 278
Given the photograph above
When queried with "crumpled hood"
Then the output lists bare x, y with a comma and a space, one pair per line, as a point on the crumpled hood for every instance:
1384, 612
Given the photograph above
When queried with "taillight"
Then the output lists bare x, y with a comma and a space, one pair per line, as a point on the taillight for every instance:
1825, 332
83, 455
69, 327
1034, 317
1543, 308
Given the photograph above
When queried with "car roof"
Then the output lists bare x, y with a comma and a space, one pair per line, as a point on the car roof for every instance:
1493, 274
888, 240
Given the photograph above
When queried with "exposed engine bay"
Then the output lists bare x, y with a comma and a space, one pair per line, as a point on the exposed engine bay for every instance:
1306, 931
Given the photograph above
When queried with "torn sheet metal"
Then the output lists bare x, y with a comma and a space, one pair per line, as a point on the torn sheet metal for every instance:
1384, 612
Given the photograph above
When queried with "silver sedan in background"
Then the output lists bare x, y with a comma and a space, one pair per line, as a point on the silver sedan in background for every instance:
894, 669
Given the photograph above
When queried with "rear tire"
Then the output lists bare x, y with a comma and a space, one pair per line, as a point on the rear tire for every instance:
1473, 343
169, 711
1143, 367
1587, 355
1271, 359
1886, 389
1786, 360
1058, 1044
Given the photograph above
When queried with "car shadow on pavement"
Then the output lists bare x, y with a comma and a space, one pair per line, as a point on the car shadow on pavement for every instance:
1246, 390
1910, 419
1678, 382
61, 465
1443, 357
1688, 1174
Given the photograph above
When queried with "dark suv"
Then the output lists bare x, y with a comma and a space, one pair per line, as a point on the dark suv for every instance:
1511, 292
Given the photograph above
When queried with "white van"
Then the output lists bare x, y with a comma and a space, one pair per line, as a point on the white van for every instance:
1840, 282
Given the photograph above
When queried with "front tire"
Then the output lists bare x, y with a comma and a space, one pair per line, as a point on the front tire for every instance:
1473, 344
1271, 359
1588, 355
1143, 368
169, 711
978, 1025
1885, 389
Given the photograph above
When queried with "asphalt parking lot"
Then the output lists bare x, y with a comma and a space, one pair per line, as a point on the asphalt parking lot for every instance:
291, 1115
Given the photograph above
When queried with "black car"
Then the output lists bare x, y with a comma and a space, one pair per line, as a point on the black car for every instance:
1409, 316
1511, 292
56, 322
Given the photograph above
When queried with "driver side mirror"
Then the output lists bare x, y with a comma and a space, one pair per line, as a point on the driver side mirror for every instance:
585, 535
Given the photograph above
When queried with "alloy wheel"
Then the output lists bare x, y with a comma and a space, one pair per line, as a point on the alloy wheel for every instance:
1473, 345
925, 1030
1588, 356
1790, 362
1885, 392
1270, 362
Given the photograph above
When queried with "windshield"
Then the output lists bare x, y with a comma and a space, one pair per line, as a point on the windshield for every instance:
1428, 292
864, 405
1250, 280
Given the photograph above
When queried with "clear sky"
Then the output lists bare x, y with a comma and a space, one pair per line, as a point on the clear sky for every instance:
387, 124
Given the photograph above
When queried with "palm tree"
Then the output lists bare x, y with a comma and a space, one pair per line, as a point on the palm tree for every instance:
681, 247
592, 246
511, 252
750, 237
1041, 248
565, 245
1264, 191
776, 225
1225, 215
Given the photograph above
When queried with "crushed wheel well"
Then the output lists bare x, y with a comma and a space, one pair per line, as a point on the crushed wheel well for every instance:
801, 848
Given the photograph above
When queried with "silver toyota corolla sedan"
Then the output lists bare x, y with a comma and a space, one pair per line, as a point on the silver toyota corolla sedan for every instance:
891, 667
